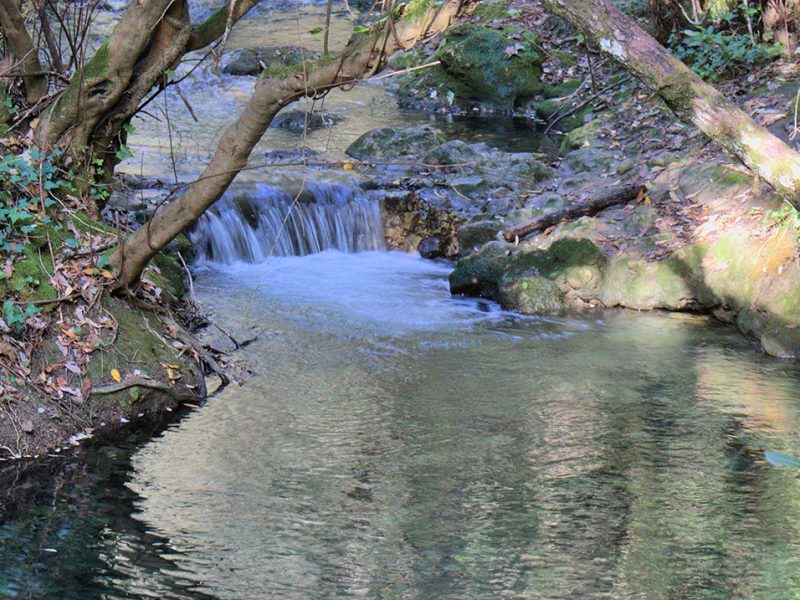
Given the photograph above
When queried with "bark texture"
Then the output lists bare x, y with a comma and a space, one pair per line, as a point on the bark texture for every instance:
364, 55
25, 52
689, 97
151, 38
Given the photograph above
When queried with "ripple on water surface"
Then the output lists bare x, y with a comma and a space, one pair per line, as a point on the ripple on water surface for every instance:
613, 457
398, 443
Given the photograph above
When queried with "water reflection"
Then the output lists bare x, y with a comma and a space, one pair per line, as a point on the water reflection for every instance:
459, 454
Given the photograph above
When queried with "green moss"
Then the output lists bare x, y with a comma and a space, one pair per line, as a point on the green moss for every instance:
282, 71
169, 276
532, 294
94, 71
474, 66
417, 9
563, 59
581, 136
480, 273
30, 280
490, 11
677, 91
565, 88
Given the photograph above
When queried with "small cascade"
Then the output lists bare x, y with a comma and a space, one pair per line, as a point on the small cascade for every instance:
274, 221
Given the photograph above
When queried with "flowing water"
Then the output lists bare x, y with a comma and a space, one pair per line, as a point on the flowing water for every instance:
395, 442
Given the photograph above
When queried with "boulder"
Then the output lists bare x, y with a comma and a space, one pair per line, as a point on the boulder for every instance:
389, 143
472, 235
430, 247
481, 64
252, 61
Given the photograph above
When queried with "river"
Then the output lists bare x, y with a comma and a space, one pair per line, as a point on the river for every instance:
396, 442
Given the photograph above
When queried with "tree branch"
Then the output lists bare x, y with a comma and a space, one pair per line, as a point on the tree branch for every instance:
362, 56
24, 50
213, 28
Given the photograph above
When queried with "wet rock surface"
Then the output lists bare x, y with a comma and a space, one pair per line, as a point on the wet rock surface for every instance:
252, 61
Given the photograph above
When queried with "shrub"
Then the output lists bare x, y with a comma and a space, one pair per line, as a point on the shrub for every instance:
723, 48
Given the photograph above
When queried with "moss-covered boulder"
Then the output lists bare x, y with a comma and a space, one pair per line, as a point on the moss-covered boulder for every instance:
479, 274
389, 143
482, 65
477, 233
532, 281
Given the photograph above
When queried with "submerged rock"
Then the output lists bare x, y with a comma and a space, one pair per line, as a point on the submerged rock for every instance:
298, 121
252, 61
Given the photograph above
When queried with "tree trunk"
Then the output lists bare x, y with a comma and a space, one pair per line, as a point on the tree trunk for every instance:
23, 49
689, 97
152, 37
363, 56
611, 196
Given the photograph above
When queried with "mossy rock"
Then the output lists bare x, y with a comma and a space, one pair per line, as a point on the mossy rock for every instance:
582, 136
532, 294
477, 233
453, 152
565, 88
479, 273
389, 143
300, 121
486, 12
476, 67
252, 61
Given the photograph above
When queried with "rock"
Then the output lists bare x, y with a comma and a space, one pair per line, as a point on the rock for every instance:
625, 166
453, 152
27, 426
469, 184
298, 121
481, 64
390, 143
252, 61
430, 247
582, 136
292, 155
595, 160
532, 294
472, 235
480, 272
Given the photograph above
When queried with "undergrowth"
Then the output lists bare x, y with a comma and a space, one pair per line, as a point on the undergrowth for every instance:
726, 46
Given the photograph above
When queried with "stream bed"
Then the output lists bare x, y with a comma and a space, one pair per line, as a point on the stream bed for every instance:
395, 442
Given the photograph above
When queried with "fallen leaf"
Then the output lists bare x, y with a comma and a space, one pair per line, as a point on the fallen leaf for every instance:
115, 375
513, 50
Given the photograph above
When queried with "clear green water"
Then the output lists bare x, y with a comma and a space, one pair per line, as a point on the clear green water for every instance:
397, 443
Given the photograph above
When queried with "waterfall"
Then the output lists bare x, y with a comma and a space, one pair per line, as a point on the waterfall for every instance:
275, 221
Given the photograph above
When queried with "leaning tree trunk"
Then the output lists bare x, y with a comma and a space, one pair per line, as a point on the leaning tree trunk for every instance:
689, 97
362, 57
